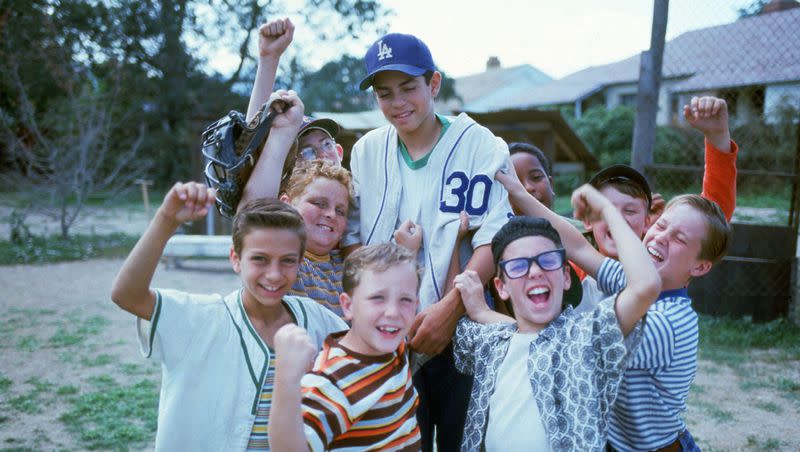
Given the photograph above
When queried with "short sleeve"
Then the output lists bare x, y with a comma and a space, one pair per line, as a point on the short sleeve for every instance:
177, 318
325, 411
473, 340
499, 206
657, 347
610, 277
317, 320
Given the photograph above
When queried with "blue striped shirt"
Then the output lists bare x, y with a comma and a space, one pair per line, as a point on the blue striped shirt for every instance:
647, 413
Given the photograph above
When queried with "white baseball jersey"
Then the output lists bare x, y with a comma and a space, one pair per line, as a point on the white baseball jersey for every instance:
462, 167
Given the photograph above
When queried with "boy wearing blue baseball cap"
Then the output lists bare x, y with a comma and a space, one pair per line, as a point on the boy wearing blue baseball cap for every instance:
427, 169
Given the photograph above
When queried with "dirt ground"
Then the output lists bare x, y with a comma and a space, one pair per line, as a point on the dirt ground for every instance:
58, 325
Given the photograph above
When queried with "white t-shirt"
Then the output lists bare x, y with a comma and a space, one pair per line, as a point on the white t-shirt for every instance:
514, 419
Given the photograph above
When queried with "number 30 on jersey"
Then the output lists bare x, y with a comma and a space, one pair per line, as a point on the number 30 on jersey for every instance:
462, 193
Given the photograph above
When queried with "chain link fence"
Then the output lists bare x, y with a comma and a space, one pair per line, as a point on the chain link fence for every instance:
746, 52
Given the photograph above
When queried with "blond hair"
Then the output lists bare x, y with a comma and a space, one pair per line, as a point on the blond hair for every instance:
377, 258
714, 243
307, 172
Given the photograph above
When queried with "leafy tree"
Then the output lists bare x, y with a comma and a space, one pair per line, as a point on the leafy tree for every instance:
334, 87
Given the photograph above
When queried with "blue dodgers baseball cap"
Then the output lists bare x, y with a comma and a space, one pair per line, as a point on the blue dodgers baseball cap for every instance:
397, 52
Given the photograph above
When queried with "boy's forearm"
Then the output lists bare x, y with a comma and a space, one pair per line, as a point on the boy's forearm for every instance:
721, 140
286, 417
264, 82
265, 180
131, 288
644, 283
487, 316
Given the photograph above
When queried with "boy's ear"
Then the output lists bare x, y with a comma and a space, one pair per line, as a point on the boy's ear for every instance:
700, 268
285, 199
236, 262
587, 226
436, 83
501, 288
347, 304
567, 279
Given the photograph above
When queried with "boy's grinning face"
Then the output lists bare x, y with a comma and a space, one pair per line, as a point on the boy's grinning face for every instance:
323, 206
536, 297
533, 177
406, 101
381, 310
674, 244
267, 266
634, 210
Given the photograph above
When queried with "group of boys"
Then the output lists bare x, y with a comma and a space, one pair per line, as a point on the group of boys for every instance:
312, 353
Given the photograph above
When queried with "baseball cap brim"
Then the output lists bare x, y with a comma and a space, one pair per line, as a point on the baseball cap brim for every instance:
622, 172
326, 125
413, 71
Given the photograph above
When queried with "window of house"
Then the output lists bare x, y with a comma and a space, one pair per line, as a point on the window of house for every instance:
629, 100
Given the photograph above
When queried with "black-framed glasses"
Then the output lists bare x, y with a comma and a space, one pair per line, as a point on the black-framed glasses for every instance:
547, 261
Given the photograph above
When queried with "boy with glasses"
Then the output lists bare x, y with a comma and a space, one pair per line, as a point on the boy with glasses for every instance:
547, 381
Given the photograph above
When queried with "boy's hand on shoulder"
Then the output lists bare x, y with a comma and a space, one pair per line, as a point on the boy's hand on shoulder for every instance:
187, 201
709, 115
588, 203
409, 235
274, 37
509, 179
471, 289
295, 351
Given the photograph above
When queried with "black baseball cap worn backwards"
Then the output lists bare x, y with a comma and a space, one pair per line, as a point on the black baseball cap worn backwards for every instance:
519, 227
397, 52
622, 173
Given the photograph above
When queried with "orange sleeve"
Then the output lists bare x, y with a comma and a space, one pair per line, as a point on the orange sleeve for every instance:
578, 271
719, 177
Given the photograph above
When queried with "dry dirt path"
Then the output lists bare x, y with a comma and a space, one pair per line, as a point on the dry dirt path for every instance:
46, 305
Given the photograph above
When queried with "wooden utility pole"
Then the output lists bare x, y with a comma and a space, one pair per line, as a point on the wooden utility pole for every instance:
644, 128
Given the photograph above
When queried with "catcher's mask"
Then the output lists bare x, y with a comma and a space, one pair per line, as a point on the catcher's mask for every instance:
231, 148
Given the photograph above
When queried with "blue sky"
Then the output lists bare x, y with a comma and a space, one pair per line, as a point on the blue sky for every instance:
556, 36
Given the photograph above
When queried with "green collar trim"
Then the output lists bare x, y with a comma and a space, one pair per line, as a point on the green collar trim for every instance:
417, 164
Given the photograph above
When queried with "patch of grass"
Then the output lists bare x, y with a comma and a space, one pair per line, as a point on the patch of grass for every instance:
99, 360
723, 339
31, 402
770, 407
113, 416
715, 412
77, 330
5, 383
698, 389
28, 343
788, 386
38, 249
67, 390
755, 443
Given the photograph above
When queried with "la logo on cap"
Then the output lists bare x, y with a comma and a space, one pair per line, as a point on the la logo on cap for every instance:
384, 51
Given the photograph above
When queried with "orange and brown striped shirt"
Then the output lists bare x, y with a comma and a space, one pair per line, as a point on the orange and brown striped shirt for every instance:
360, 402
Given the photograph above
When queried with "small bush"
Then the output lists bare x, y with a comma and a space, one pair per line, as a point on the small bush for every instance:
35, 249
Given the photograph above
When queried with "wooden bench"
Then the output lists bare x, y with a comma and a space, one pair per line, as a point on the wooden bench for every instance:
187, 246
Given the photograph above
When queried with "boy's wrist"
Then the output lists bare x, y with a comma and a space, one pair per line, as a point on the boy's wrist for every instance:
165, 220
720, 140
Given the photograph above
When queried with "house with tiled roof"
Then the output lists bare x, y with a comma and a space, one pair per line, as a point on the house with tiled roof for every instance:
753, 63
